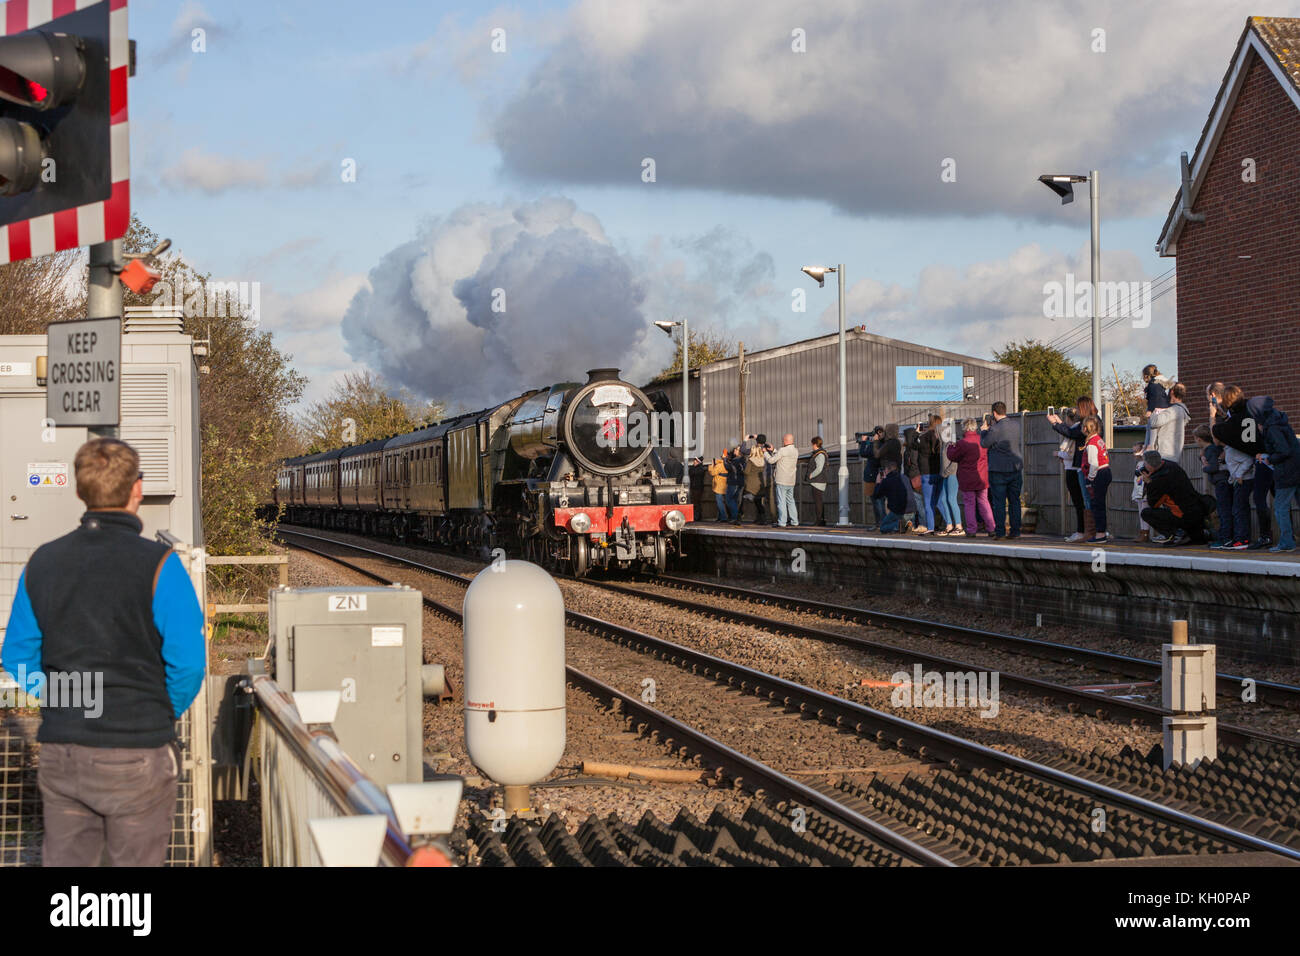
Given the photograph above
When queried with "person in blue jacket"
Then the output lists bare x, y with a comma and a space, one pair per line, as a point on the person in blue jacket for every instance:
106, 633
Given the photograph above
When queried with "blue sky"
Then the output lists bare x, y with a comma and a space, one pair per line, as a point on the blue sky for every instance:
767, 158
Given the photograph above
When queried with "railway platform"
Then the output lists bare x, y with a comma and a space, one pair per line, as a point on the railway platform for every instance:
1247, 602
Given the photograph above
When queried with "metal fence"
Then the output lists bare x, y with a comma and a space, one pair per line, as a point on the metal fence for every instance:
305, 775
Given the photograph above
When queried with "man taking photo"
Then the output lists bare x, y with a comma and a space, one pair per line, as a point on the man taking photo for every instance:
105, 605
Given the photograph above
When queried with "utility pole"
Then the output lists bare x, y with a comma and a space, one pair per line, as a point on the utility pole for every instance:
104, 296
740, 377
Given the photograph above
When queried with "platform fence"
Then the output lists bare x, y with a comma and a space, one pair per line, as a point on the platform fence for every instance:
305, 775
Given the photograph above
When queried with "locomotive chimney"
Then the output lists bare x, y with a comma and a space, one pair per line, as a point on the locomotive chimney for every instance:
602, 375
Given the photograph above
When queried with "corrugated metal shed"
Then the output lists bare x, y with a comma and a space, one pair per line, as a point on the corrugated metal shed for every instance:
793, 387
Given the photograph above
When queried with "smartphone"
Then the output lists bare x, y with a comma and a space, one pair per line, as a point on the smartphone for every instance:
1051, 409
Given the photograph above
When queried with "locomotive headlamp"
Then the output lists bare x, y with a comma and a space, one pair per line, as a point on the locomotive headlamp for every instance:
675, 520
580, 523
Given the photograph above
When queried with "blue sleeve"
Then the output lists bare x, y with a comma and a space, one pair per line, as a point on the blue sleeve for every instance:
179, 619
21, 656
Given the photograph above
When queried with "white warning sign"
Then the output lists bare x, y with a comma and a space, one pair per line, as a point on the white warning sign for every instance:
47, 474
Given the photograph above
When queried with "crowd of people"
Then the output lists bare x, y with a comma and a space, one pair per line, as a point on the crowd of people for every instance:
944, 477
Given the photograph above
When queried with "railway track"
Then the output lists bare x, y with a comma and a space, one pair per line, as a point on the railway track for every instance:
741, 770
1137, 668
1077, 700
977, 777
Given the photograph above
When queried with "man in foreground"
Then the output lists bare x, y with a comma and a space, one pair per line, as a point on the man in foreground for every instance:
104, 608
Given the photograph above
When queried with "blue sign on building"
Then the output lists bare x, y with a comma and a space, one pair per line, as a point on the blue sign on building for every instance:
921, 383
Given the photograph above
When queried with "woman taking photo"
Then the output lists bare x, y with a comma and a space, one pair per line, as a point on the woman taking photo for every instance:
1085, 408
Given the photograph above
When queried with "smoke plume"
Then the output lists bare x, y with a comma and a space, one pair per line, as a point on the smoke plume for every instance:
492, 300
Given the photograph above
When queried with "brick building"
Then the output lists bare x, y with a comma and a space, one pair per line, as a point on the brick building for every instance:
1239, 269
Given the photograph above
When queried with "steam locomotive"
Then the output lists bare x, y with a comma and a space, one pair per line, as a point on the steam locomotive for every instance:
567, 477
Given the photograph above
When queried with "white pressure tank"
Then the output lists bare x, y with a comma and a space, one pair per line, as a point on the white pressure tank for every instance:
514, 673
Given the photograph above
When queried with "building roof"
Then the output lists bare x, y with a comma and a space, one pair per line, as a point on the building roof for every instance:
857, 333
1276, 41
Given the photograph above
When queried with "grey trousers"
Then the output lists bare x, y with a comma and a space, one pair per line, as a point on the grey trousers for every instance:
107, 802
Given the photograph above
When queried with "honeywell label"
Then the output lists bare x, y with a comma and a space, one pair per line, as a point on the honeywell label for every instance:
347, 602
386, 636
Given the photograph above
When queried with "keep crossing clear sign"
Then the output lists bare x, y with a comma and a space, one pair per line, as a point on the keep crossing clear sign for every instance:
84, 377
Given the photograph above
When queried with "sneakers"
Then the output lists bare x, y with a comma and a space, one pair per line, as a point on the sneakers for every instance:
1239, 545
1077, 536
1220, 545
1278, 549
1261, 544
1158, 538
1177, 538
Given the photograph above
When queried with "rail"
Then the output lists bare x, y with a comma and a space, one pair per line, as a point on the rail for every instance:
305, 776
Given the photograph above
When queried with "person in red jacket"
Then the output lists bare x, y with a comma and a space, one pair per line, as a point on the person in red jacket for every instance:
973, 478
1095, 472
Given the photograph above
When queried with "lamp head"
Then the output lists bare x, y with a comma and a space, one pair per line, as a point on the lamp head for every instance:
1062, 184
666, 326
818, 273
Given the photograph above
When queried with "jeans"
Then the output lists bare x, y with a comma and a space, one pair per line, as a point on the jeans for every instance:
785, 506
1097, 488
890, 522
1004, 489
976, 506
112, 801
1223, 496
1282, 498
720, 499
935, 501
733, 500
1263, 485
1241, 510
949, 493
1076, 496
918, 503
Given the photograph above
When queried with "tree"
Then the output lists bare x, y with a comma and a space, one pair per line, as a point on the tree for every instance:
1047, 376
359, 409
244, 404
1129, 396
707, 345
36, 292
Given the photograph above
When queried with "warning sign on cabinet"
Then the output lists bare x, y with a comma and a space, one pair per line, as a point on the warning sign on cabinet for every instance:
47, 474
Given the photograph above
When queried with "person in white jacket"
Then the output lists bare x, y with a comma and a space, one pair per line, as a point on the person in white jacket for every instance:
1169, 425
785, 462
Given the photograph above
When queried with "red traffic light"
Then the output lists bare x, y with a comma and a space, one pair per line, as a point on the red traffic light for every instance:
41, 70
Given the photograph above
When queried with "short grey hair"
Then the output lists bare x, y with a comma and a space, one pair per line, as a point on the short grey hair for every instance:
1152, 458
969, 425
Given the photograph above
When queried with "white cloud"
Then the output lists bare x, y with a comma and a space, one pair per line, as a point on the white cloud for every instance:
884, 94
211, 173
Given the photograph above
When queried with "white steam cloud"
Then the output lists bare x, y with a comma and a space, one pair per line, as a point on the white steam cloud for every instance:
492, 300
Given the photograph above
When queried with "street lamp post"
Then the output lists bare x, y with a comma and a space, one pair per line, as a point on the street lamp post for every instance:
667, 328
819, 273
1063, 185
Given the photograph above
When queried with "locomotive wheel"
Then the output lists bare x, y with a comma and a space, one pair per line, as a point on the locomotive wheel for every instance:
661, 554
579, 556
